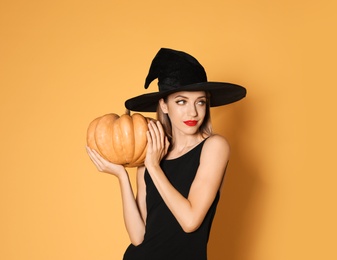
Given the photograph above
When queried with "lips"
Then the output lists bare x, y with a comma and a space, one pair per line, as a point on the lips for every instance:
191, 122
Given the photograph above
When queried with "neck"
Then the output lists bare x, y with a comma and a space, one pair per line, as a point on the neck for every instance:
182, 142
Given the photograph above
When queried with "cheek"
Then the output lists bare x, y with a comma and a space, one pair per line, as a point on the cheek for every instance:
176, 115
202, 111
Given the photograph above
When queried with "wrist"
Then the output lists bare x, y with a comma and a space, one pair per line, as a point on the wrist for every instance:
122, 175
153, 168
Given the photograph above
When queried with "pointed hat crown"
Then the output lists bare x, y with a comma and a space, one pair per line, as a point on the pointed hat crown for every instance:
175, 69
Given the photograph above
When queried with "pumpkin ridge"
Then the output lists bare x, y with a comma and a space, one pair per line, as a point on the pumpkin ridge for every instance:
103, 135
91, 142
118, 143
140, 141
140, 129
112, 155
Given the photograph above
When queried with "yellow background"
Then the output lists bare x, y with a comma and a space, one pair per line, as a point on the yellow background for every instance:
63, 63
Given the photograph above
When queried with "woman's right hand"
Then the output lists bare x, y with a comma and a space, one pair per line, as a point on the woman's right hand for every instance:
104, 165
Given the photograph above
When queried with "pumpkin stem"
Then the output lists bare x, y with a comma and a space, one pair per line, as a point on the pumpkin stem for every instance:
127, 112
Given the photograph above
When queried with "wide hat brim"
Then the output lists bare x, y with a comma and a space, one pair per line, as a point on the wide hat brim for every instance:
221, 93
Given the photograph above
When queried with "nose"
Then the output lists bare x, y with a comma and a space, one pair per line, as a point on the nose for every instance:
192, 110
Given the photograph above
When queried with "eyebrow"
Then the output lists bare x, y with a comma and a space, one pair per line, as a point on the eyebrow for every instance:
181, 96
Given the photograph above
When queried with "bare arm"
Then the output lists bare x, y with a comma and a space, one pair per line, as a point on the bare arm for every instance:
133, 219
141, 193
191, 212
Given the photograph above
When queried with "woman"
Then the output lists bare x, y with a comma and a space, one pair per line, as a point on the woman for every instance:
178, 188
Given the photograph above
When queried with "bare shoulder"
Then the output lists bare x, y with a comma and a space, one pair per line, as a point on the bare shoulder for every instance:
216, 149
216, 143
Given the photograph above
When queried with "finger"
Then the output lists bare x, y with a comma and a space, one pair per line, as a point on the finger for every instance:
99, 157
95, 158
93, 154
96, 162
167, 144
149, 140
100, 161
157, 135
153, 135
161, 133
92, 158
90, 153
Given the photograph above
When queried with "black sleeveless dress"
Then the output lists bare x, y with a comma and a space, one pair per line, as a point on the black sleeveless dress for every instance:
164, 238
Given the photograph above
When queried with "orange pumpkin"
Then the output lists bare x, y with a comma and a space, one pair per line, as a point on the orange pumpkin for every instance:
119, 139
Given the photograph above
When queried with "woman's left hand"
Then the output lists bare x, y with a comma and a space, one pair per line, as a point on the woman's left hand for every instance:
157, 144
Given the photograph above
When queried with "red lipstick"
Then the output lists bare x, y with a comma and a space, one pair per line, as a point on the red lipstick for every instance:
191, 122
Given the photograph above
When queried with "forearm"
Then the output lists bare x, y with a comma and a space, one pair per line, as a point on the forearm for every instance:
134, 223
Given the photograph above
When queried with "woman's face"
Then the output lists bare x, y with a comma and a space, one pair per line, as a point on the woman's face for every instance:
186, 110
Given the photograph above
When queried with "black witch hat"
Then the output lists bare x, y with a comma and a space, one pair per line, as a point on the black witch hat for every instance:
179, 71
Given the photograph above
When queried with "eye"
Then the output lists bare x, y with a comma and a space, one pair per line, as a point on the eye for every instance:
201, 102
181, 102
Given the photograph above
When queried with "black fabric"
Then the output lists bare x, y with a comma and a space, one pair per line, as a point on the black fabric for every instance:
164, 238
175, 68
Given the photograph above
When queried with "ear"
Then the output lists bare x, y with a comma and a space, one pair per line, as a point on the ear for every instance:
163, 106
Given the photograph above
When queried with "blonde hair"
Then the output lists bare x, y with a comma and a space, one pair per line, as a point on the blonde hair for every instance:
205, 129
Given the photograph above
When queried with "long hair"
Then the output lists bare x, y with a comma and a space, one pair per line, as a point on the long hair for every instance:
205, 129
